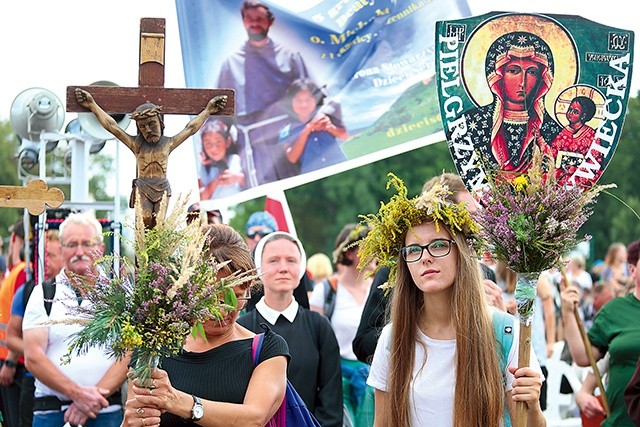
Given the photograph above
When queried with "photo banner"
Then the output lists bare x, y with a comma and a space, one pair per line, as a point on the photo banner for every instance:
510, 82
325, 87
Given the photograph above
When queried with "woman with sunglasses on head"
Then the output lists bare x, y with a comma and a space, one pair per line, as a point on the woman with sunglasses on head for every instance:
438, 362
213, 382
314, 370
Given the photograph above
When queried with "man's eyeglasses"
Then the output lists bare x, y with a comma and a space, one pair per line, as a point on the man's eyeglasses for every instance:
74, 245
438, 248
252, 234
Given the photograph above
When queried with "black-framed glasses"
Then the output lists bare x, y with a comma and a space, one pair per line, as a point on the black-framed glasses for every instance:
244, 300
252, 234
437, 248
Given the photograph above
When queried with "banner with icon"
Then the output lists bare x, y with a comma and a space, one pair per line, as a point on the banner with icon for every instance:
509, 82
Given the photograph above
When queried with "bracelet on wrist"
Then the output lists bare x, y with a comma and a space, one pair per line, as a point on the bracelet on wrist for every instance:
10, 364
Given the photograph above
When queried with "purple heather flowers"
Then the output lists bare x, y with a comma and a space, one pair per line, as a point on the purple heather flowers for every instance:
529, 220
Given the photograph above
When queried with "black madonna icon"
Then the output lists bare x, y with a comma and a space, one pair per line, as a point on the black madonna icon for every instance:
509, 82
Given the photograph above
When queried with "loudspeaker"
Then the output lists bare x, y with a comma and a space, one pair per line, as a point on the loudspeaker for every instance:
92, 126
28, 154
34, 111
75, 128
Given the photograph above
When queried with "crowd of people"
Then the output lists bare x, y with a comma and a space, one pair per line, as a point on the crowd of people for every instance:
403, 326
367, 336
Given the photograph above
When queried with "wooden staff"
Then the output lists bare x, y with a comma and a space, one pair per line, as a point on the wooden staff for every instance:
525, 282
524, 353
590, 356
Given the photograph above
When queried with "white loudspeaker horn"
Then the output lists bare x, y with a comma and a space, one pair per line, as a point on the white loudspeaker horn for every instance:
74, 128
34, 111
92, 126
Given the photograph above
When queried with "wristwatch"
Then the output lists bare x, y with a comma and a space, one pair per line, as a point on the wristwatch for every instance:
197, 411
10, 363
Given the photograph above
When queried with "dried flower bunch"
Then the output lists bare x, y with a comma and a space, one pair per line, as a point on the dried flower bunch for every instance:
152, 306
529, 220
388, 226
352, 239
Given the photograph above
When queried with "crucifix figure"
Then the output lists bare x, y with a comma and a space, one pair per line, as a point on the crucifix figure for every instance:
148, 102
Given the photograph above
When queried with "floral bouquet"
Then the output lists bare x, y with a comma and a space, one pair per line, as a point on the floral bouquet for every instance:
530, 221
150, 307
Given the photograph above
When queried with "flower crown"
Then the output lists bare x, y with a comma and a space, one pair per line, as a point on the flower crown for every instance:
388, 226
352, 239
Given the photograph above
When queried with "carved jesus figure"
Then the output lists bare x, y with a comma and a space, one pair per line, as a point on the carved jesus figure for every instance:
151, 147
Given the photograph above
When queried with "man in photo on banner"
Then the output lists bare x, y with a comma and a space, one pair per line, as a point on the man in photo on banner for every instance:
260, 72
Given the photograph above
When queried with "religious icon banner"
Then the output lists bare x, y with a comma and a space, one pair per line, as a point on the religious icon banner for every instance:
509, 82
320, 86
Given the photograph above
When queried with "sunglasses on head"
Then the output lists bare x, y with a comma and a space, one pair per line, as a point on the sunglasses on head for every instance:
261, 233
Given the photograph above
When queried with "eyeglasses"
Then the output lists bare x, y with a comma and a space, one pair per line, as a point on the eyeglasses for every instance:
241, 301
85, 244
438, 248
261, 233
245, 299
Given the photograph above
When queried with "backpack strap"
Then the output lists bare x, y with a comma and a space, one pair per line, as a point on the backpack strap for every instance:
503, 328
48, 292
28, 289
256, 346
330, 288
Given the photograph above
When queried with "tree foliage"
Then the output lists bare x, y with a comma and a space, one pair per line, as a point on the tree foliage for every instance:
321, 208
612, 221
9, 144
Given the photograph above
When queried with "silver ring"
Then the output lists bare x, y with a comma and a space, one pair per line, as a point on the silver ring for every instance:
140, 411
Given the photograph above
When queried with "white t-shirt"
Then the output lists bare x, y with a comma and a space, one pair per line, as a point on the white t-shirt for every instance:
345, 318
85, 369
433, 386
583, 279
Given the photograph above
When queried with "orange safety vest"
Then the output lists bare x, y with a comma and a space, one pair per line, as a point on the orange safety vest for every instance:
6, 297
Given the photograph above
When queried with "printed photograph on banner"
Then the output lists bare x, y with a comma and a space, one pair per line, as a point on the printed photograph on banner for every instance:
510, 82
317, 84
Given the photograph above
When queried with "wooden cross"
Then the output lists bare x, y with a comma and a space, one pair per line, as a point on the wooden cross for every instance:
122, 100
34, 197
151, 155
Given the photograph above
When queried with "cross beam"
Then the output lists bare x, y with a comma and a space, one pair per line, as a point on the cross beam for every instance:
122, 100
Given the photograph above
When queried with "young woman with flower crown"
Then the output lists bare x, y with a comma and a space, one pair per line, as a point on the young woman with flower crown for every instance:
438, 361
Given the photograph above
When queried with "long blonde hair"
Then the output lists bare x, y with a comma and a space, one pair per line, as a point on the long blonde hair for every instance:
479, 387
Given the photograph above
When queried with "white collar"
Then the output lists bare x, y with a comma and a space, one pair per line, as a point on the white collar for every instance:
271, 315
